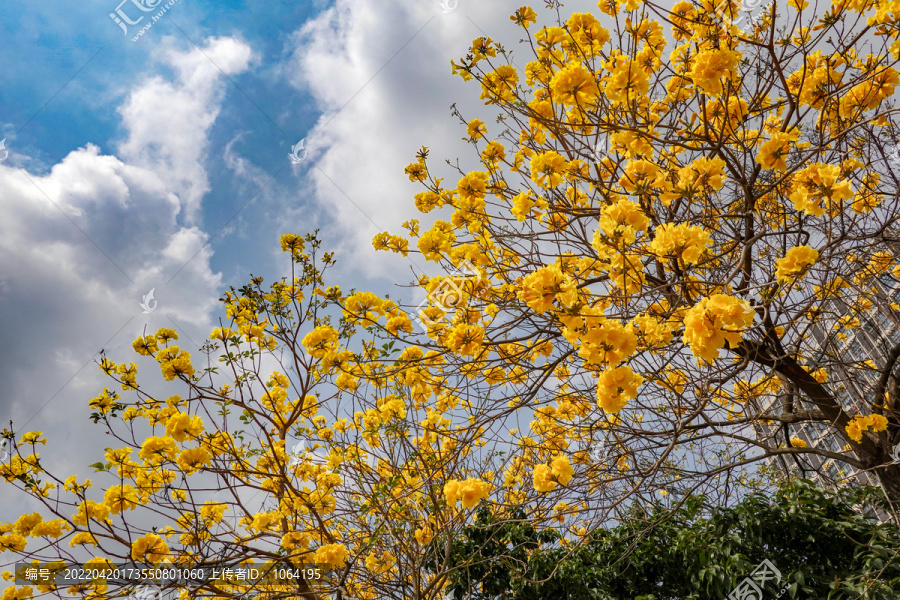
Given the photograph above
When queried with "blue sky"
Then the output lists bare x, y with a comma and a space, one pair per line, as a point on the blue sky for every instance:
130, 162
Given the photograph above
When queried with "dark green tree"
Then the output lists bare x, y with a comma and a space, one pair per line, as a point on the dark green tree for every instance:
822, 545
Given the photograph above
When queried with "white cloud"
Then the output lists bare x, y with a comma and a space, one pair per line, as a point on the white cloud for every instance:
82, 243
393, 107
362, 147
168, 122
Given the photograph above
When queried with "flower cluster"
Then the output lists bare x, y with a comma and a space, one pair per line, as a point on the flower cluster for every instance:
683, 241
616, 386
819, 187
546, 478
714, 321
795, 263
860, 424
469, 492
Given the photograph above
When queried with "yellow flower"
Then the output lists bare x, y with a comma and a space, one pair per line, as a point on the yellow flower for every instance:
878, 422
120, 498
182, 426
465, 339
795, 263
615, 387
164, 334
587, 32
292, 242
294, 539
684, 241
493, 153
90, 510
320, 341
604, 341
524, 203
331, 554
620, 222
424, 535
380, 563
860, 424
820, 375
53, 529
33, 437
574, 85
470, 492
627, 80
347, 382
158, 449
364, 307
145, 345
561, 469
714, 321
548, 169
476, 129
640, 176
702, 174
105, 402
83, 538
416, 172
524, 17
543, 479
191, 460
540, 289
710, 66
12, 541
798, 443
473, 186
174, 362
773, 153
499, 85
816, 184
482, 48
151, 548
26, 523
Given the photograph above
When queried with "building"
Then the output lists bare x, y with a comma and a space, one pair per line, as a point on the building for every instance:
833, 348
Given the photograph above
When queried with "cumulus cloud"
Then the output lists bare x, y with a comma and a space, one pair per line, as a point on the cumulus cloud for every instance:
168, 121
84, 242
380, 72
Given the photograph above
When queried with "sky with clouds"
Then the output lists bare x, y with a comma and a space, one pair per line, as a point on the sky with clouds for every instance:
160, 162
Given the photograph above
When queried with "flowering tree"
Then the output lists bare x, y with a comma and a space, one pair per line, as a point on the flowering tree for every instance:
686, 250
657, 267
255, 463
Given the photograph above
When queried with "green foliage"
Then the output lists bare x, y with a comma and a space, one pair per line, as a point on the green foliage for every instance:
823, 547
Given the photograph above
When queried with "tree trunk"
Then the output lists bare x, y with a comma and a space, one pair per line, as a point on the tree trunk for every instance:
873, 453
